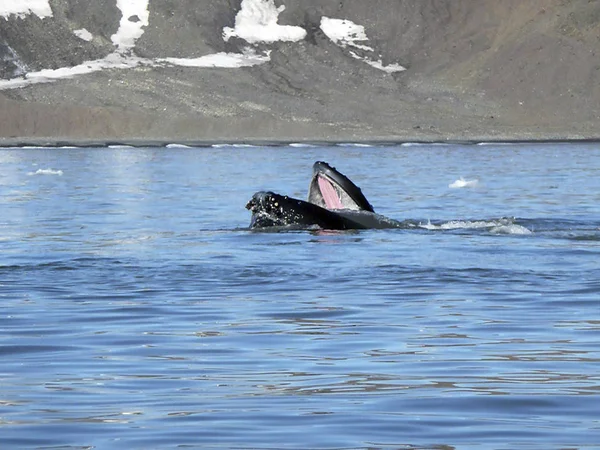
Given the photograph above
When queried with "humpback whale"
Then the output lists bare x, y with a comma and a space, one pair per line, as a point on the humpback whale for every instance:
334, 203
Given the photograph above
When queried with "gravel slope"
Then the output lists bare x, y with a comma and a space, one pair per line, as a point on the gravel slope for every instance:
475, 70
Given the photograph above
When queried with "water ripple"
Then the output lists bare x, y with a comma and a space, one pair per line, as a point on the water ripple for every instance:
139, 312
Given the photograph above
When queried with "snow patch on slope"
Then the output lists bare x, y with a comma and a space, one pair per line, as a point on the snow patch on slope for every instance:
347, 34
22, 8
11, 57
112, 61
118, 61
344, 33
83, 34
256, 22
135, 16
226, 60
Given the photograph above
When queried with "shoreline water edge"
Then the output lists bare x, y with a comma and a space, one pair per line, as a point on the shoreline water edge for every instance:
8, 143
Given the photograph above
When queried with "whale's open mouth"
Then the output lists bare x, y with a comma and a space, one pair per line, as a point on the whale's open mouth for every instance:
329, 194
331, 189
334, 203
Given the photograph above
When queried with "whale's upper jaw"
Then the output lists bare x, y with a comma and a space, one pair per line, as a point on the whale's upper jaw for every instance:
331, 189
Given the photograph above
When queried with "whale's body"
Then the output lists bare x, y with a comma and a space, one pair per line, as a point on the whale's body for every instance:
334, 203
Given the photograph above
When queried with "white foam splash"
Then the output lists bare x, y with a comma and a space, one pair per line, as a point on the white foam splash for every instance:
460, 224
425, 144
413, 144
256, 22
84, 34
22, 8
346, 33
355, 144
462, 183
46, 172
500, 226
233, 146
483, 144
175, 145
301, 145
511, 229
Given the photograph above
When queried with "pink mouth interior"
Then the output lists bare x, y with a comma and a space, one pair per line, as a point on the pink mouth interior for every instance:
332, 200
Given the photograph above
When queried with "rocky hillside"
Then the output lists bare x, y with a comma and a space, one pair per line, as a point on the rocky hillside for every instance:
179, 70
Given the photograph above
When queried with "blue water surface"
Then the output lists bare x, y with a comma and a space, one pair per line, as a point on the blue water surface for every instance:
137, 310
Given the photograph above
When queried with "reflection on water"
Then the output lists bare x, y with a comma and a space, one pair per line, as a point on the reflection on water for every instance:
139, 312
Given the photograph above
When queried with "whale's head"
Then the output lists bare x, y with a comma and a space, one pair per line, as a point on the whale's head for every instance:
331, 189
269, 209
273, 210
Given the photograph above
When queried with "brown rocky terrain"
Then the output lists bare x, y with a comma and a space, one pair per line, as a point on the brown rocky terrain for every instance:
475, 70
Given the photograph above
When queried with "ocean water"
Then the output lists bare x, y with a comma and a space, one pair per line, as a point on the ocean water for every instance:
137, 311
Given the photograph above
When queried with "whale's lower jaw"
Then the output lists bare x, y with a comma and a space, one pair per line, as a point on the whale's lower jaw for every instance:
368, 220
273, 210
